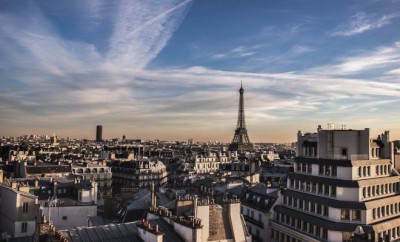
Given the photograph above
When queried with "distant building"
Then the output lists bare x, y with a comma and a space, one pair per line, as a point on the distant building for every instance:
247, 171
98, 172
99, 133
23, 169
343, 183
138, 173
207, 163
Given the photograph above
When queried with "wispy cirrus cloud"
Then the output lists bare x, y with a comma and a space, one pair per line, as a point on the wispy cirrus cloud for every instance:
238, 52
379, 59
362, 22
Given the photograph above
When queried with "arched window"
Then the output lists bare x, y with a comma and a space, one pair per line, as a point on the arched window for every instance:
372, 152
359, 171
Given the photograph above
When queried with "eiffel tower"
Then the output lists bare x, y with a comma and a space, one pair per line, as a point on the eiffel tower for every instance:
241, 141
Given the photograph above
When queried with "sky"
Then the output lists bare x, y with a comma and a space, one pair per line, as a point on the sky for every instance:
172, 69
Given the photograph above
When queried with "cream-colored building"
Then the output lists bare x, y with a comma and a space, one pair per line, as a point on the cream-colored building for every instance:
343, 180
207, 163
19, 212
96, 171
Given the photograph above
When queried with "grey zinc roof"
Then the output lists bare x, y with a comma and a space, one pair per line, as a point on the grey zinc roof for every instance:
110, 232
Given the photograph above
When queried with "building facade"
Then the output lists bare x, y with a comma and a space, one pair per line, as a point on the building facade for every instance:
19, 212
140, 173
343, 181
98, 172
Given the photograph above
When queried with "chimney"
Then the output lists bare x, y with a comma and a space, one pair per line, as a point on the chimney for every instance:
54, 186
156, 228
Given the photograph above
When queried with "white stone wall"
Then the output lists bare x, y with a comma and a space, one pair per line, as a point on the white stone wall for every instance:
69, 217
31, 226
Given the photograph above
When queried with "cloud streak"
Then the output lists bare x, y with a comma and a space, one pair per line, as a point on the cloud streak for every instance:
362, 22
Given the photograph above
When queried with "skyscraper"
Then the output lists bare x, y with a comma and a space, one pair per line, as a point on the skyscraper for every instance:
99, 133
241, 141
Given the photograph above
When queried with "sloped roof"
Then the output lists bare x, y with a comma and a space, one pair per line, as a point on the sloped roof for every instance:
125, 232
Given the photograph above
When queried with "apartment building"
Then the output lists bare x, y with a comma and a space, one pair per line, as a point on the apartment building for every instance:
344, 184
19, 212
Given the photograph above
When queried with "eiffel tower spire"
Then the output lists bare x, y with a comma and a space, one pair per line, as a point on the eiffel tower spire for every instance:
241, 141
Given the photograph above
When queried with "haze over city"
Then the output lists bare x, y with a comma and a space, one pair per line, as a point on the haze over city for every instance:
172, 69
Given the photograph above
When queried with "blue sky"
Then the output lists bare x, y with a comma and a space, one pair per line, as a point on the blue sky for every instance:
172, 69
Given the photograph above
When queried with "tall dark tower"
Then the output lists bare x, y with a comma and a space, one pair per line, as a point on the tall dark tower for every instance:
99, 133
241, 141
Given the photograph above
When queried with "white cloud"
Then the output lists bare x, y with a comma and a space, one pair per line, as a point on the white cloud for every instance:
377, 59
362, 22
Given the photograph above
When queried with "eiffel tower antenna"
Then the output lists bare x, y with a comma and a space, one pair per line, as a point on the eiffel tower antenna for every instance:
241, 141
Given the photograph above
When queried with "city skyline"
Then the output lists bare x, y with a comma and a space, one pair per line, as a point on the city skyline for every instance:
172, 70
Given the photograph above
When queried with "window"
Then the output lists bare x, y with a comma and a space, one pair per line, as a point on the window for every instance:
356, 215
319, 208
25, 207
311, 229
333, 191
345, 214
326, 211
298, 224
24, 227
334, 171
64, 217
321, 169
309, 168
312, 207
308, 186
326, 189
306, 206
324, 233
320, 188
344, 152
317, 231
259, 217
304, 168
327, 170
